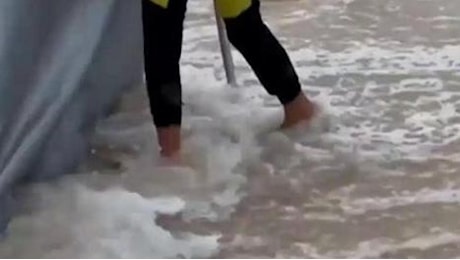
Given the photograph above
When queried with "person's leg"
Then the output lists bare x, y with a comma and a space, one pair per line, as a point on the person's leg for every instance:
268, 59
163, 25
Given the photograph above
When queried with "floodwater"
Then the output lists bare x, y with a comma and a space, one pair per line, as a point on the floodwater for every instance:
375, 176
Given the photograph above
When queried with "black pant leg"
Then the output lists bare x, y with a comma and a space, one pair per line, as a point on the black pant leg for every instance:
162, 51
268, 59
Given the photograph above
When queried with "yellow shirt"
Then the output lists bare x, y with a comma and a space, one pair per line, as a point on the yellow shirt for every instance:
227, 8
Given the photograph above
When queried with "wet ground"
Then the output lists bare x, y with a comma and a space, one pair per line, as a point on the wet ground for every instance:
376, 177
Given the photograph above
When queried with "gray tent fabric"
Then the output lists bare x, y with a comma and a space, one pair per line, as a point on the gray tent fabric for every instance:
62, 66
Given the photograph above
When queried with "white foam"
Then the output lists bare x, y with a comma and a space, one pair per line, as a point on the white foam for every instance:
363, 205
72, 221
375, 248
378, 247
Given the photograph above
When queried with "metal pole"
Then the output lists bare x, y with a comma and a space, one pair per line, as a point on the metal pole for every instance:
225, 49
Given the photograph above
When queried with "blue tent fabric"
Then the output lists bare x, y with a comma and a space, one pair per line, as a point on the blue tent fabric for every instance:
63, 64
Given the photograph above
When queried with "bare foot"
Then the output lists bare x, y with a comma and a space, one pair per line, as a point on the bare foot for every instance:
300, 110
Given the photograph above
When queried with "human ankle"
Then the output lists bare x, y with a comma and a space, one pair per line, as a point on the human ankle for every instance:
169, 139
301, 109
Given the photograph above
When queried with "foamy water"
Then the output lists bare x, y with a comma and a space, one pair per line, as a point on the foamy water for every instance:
377, 177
